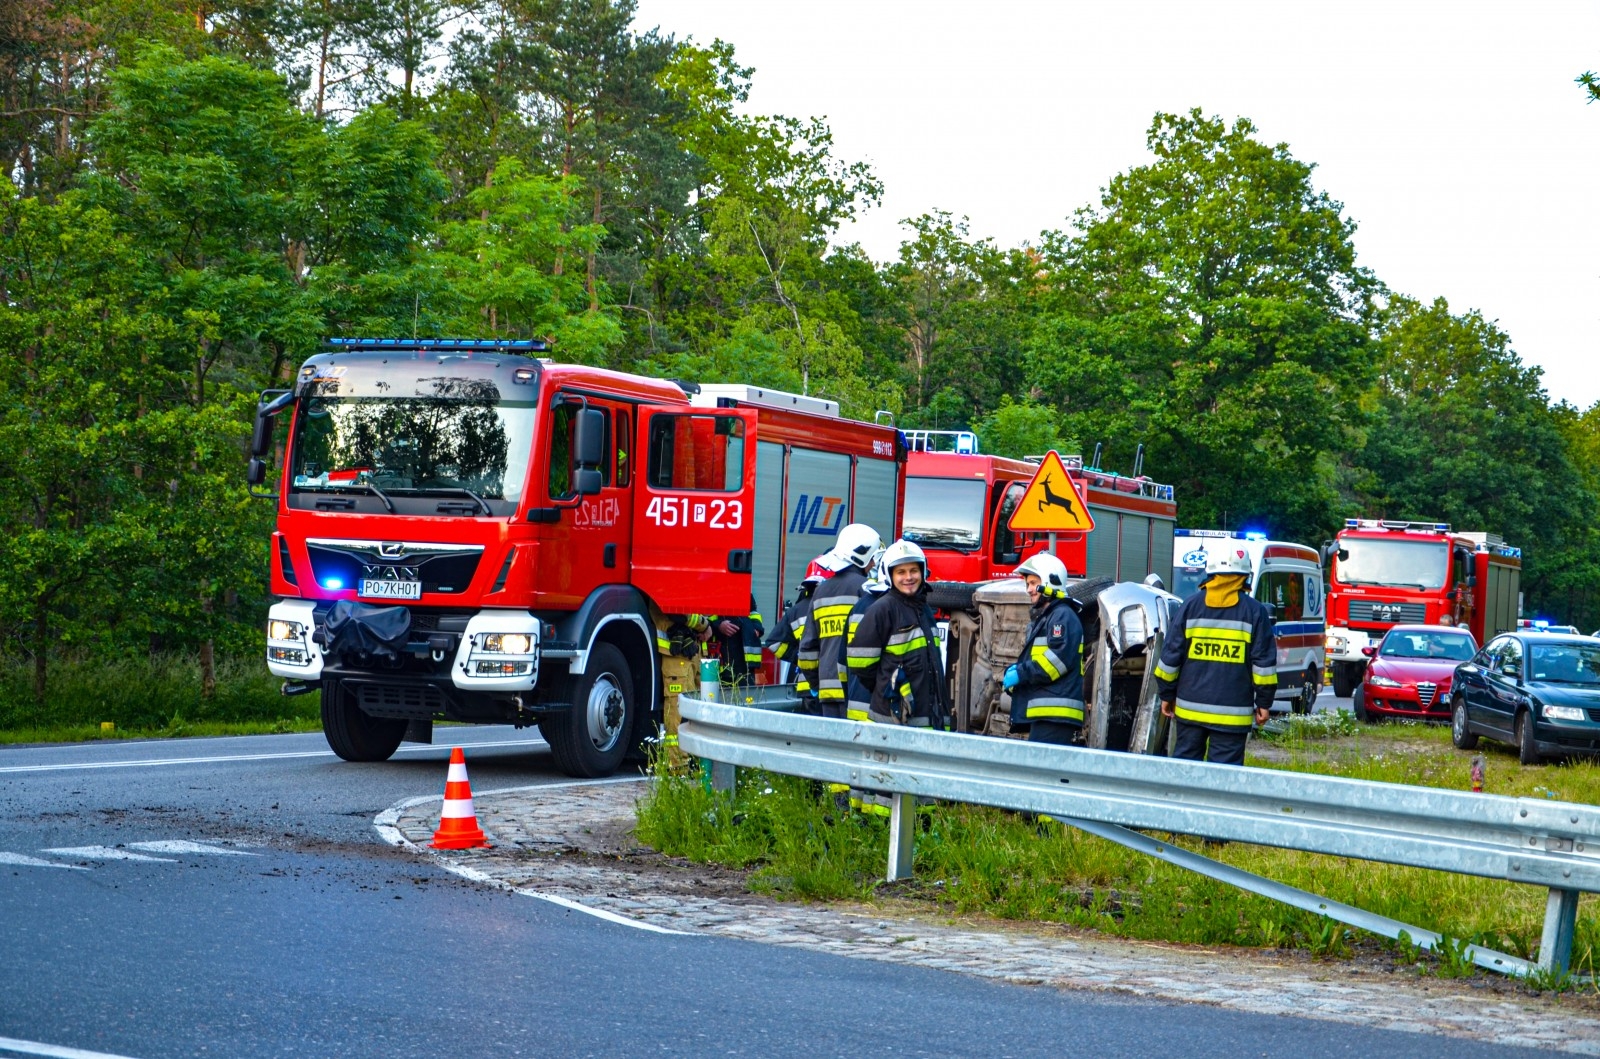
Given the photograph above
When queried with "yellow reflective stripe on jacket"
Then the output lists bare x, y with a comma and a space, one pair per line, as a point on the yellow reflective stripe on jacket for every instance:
861, 657
853, 714
1042, 656
1218, 629
905, 643
663, 644
1264, 674
1210, 713
1163, 673
1055, 709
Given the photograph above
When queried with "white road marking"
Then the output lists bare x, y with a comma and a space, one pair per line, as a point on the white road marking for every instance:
178, 845
384, 824
102, 853
6, 770
25, 861
54, 1051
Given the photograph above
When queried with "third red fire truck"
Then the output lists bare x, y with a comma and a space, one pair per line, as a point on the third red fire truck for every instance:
1387, 573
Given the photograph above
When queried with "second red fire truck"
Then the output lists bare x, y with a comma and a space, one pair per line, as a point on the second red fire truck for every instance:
959, 501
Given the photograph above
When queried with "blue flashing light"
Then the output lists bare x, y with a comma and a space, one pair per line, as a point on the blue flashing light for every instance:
334, 583
1254, 535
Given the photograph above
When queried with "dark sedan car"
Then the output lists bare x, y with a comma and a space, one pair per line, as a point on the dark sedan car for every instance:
1411, 672
1538, 691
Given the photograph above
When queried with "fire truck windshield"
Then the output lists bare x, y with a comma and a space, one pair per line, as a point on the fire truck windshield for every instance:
945, 512
1393, 562
465, 440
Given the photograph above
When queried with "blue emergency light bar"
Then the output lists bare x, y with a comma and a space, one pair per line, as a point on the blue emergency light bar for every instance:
443, 345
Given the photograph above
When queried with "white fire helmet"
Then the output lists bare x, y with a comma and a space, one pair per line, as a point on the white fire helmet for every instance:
1051, 572
858, 545
900, 553
1228, 560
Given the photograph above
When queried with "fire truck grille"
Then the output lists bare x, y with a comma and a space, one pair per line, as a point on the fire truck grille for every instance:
399, 700
1370, 610
1426, 691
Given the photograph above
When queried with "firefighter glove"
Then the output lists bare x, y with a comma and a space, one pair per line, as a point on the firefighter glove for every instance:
1011, 678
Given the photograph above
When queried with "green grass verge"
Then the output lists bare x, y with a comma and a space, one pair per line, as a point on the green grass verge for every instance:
976, 861
157, 697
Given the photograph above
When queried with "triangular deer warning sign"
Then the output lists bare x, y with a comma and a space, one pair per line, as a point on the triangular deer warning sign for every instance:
1054, 502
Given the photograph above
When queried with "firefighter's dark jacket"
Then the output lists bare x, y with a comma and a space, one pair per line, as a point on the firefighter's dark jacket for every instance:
741, 652
892, 662
822, 640
1220, 664
784, 639
1050, 671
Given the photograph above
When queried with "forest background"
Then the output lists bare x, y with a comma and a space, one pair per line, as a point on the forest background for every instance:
199, 194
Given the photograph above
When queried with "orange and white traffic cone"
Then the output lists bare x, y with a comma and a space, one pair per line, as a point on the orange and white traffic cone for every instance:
458, 824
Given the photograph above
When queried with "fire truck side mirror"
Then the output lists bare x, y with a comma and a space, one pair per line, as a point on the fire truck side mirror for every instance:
256, 472
586, 481
266, 416
589, 445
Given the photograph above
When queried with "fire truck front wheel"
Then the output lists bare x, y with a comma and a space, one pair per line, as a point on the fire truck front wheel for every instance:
352, 734
591, 738
1346, 675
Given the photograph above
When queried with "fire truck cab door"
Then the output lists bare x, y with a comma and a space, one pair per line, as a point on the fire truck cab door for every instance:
694, 509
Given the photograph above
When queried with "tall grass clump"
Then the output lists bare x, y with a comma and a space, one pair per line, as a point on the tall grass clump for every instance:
145, 695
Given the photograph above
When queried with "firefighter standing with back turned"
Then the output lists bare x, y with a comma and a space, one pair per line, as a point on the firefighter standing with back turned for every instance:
784, 640
822, 642
1219, 665
1046, 684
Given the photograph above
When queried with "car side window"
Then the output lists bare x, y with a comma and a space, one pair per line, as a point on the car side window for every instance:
1510, 657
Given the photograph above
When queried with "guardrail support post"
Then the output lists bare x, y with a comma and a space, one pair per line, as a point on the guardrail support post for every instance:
724, 777
1560, 918
902, 835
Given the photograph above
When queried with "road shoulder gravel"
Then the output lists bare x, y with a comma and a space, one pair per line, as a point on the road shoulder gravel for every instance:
573, 844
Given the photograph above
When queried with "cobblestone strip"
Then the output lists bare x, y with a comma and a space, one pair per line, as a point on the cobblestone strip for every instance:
536, 829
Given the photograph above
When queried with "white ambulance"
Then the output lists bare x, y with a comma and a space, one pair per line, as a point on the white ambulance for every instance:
1287, 577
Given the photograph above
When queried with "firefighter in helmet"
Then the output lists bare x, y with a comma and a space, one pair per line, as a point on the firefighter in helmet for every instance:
891, 663
1219, 665
856, 550
784, 640
1046, 683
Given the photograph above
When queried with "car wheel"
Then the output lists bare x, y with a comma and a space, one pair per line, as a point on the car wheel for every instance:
353, 734
1358, 704
1460, 735
1527, 753
950, 596
1344, 682
592, 736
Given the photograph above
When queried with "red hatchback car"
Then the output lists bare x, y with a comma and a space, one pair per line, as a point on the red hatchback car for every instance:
1410, 671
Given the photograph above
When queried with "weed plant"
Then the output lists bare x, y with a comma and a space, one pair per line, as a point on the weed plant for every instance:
977, 861
146, 696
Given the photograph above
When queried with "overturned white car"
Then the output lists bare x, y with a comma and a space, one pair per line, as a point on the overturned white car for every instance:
1124, 624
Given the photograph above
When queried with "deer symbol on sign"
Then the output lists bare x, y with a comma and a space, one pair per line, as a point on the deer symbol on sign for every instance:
1052, 499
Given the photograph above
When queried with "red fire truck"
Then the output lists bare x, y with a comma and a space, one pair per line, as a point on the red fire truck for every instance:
959, 501
468, 532
1387, 573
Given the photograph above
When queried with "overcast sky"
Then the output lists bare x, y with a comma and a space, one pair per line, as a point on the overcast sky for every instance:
1452, 132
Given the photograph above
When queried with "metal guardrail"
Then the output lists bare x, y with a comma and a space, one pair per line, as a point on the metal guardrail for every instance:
1538, 842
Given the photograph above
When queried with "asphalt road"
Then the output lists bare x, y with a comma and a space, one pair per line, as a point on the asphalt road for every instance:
230, 897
